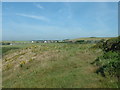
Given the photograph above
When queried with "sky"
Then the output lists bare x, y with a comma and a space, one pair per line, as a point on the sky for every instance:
58, 20
0, 21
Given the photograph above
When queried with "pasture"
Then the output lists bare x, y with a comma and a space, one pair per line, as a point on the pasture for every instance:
53, 65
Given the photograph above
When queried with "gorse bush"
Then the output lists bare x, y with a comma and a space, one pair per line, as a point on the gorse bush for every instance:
109, 62
112, 44
99, 44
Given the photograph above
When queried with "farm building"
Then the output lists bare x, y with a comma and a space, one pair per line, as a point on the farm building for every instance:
45, 41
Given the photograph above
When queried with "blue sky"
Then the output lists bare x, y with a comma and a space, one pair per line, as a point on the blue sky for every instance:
59, 20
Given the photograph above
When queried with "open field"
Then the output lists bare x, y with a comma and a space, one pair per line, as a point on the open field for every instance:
53, 65
15, 41
92, 38
60, 44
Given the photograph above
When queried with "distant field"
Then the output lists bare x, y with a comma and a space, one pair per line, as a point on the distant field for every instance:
16, 41
6, 48
0, 50
53, 65
93, 38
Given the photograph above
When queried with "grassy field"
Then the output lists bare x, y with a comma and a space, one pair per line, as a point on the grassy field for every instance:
92, 38
53, 65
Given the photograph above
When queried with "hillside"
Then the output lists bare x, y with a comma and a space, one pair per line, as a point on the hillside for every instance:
92, 38
53, 65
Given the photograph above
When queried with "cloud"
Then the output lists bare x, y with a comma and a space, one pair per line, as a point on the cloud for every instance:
34, 17
38, 6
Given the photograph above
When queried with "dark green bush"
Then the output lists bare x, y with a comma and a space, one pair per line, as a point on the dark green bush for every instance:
80, 41
99, 44
109, 62
7, 43
112, 44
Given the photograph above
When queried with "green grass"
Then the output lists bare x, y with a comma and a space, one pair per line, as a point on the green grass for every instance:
53, 65
6, 48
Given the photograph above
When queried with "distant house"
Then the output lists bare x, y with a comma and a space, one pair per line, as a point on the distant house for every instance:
11, 44
45, 41
32, 41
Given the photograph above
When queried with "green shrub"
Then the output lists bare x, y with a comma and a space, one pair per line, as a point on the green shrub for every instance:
109, 62
80, 41
112, 45
99, 44
5, 43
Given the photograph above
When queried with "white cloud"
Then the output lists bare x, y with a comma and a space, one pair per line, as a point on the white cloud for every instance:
34, 17
38, 6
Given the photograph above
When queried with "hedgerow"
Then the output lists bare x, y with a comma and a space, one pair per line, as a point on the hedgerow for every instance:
109, 62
